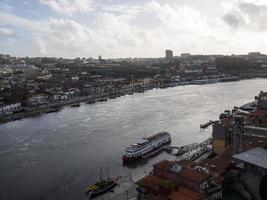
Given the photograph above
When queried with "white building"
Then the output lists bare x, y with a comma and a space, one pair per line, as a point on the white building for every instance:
9, 109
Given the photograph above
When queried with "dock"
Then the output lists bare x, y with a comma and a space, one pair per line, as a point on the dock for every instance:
206, 125
191, 151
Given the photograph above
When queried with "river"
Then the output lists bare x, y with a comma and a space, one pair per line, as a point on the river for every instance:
54, 156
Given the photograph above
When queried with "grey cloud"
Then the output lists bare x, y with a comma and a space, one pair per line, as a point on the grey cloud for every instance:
253, 9
234, 20
249, 16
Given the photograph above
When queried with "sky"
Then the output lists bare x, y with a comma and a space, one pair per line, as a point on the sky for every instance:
131, 28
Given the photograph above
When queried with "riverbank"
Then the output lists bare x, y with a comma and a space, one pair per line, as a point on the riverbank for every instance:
54, 107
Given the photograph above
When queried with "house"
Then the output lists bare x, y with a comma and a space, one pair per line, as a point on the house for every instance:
170, 180
10, 109
253, 171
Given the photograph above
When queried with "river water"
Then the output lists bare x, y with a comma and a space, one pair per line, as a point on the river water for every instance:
54, 156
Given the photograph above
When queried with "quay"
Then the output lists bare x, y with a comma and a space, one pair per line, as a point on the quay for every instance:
57, 105
206, 125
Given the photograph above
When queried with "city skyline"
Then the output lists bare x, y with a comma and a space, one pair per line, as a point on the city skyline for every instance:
143, 28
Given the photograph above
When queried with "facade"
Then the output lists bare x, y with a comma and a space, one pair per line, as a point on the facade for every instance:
38, 100
169, 55
222, 135
262, 100
9, 109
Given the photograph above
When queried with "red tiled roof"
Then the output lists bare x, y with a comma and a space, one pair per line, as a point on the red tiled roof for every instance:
193, 175
175, 195
190, 193
151, 181
184, 194
185, 163
185, 172
164, 164
220, 162
259, 113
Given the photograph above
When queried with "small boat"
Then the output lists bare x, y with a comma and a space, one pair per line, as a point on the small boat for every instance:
75, 105
139, 90
90, 102
102, 99
118, 94
101, 187
52, 110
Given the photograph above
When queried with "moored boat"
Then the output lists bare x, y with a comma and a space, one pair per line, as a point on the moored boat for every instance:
75, 105
102, 99
90, 101
53, 110
101, 187
148, 147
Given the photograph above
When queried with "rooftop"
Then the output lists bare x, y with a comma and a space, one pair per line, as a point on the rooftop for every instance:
256, 156
193, 175
185, 172
184, 194
164, 164
154, 182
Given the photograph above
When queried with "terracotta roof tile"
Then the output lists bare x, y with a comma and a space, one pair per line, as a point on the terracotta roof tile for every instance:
164, 164
184, 194
193, 175
153, 182
186, 163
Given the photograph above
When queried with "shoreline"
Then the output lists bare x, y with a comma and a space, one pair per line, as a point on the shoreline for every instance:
56, 107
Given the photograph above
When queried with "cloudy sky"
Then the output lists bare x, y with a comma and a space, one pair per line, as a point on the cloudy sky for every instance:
131, 28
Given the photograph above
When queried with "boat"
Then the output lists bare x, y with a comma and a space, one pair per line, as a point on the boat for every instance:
90, 102
53, 110
75, 105
113, 96
118, 94
139, 90
102, 99
229, 78
148, 147
101, 187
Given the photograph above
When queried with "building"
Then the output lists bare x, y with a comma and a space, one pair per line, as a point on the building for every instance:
185, 55
10, 109
169, 55
172, 180
222, 135
262, 100
253, 165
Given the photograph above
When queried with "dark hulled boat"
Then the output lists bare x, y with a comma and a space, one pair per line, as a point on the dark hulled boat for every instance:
53, 109
90, 101
101, 187
102, 99
75, 105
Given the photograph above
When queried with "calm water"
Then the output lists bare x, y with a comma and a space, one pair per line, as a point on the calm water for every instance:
56, 155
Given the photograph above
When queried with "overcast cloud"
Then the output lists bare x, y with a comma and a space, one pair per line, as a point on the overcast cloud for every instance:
140, 28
